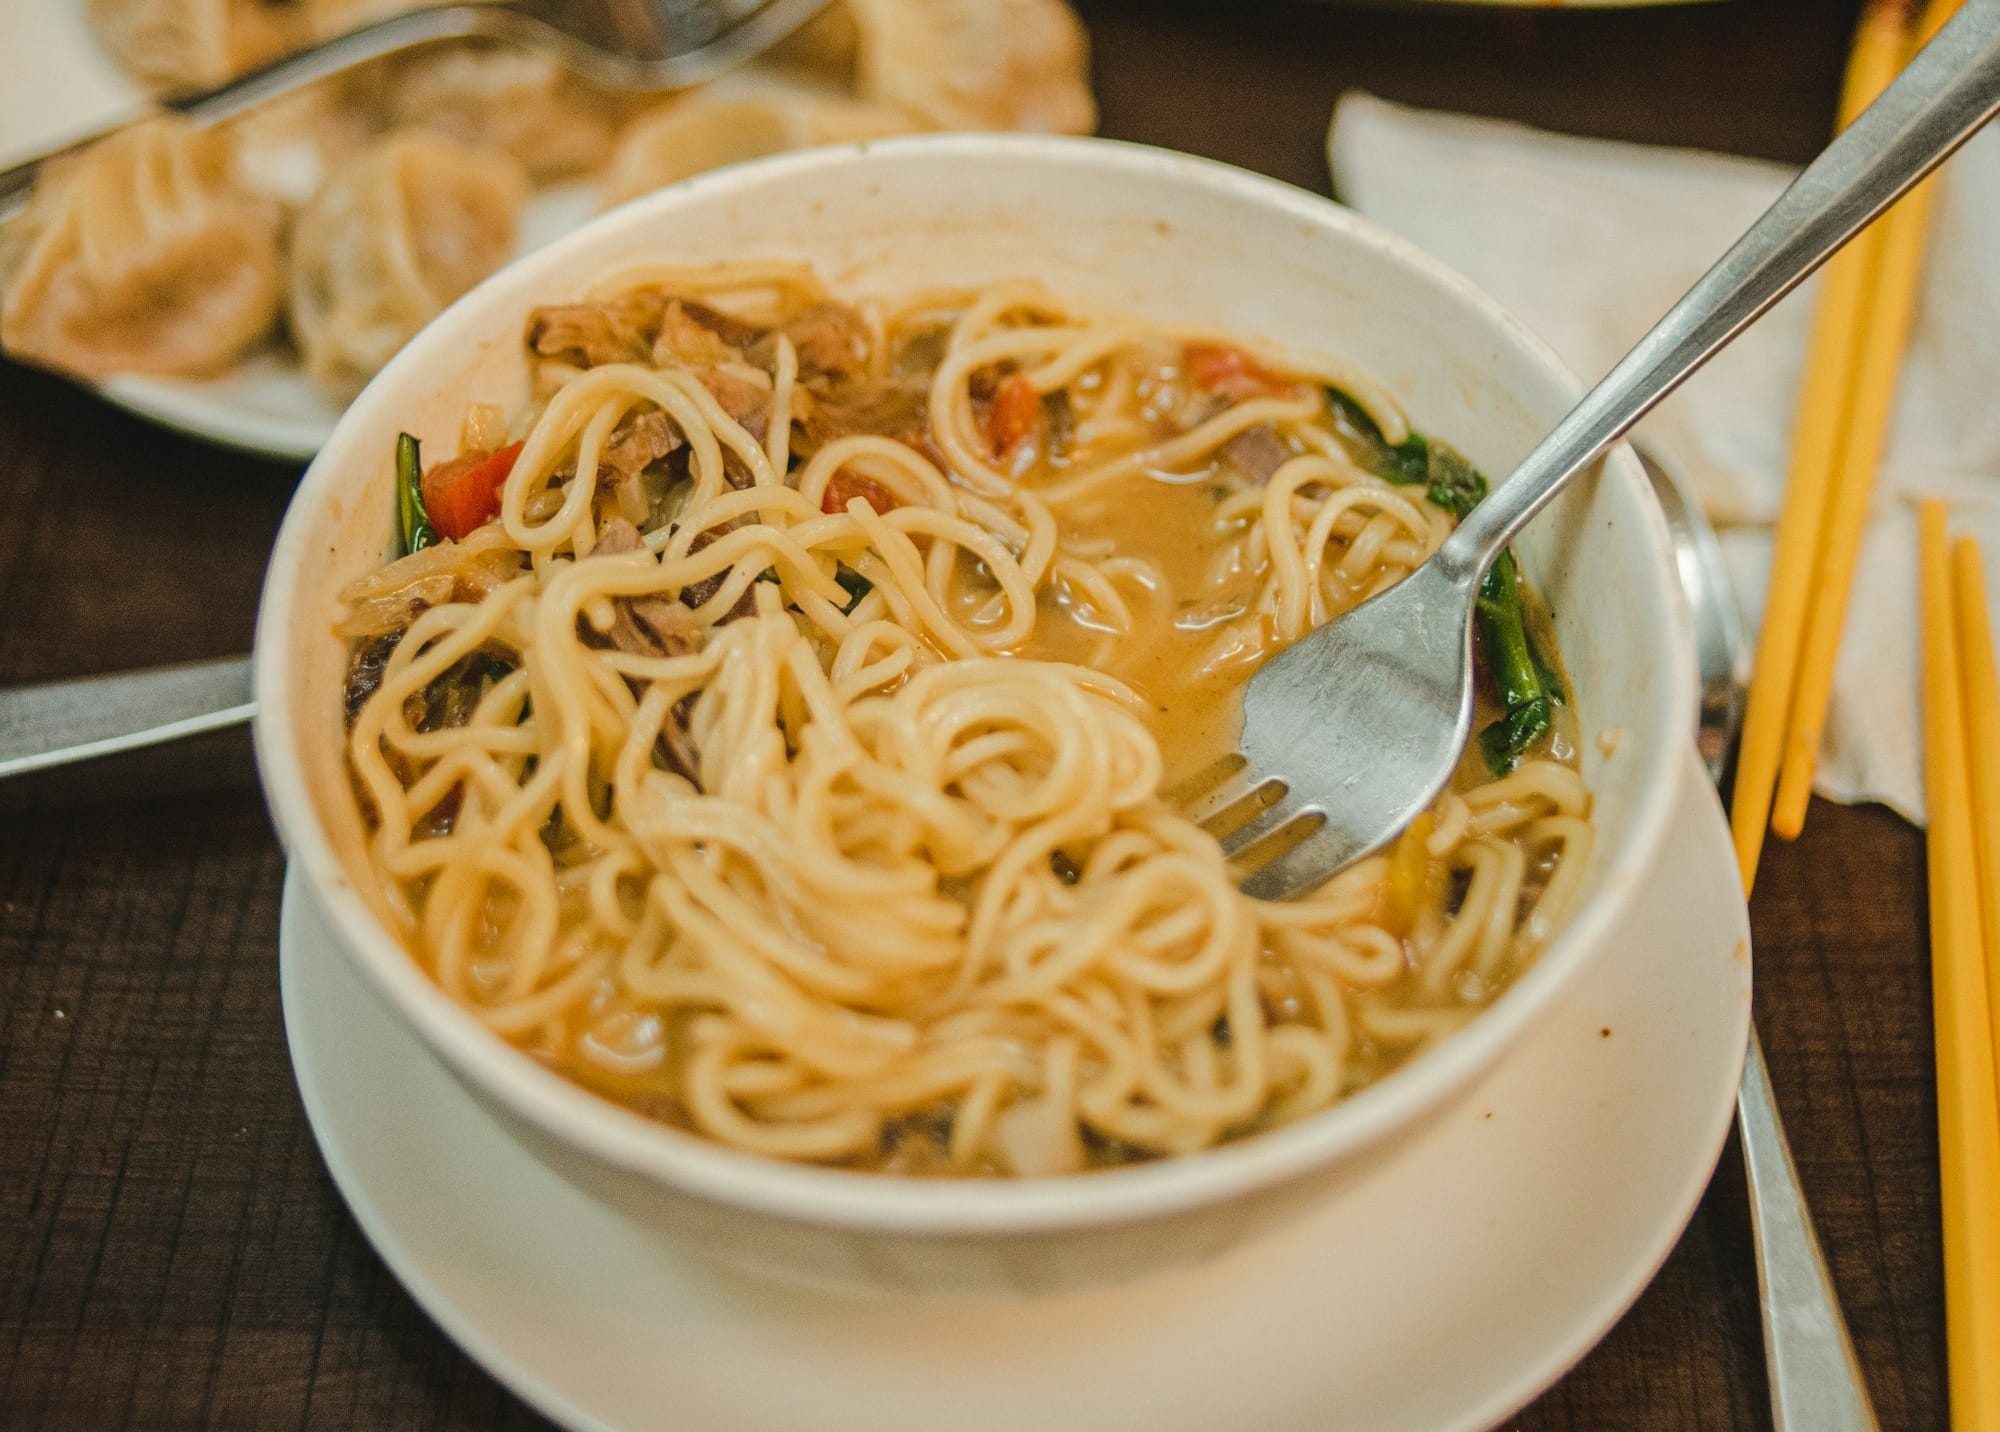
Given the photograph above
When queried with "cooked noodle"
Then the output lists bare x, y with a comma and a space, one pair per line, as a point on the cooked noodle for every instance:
887, 881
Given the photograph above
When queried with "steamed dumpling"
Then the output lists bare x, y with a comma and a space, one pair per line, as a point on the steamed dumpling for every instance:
825, 46
976, 64
195, 44
141, 256
285, 148
525, 102
737, 118
327, 18
408, 225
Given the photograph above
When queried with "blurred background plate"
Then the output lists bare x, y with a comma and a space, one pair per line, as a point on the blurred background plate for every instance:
57, 84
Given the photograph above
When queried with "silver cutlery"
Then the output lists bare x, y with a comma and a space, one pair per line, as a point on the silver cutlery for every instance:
1815, 1378
1719, 642
644, 45
57, 723
1317, 777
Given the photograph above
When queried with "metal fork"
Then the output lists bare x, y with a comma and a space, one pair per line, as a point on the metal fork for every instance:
645, 45
1815, 1378
1351, 733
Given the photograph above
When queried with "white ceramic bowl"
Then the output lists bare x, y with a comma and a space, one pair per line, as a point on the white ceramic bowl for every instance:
1132, 229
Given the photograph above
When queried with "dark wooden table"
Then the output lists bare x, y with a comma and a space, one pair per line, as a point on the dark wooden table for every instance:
171, 1251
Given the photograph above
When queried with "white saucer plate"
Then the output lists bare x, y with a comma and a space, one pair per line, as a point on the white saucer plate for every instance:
1441, 1291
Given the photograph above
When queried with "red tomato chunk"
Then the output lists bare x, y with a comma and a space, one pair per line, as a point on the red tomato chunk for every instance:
463, 494
846, 485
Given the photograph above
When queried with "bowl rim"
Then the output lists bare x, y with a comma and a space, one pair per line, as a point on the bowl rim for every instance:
634, 1144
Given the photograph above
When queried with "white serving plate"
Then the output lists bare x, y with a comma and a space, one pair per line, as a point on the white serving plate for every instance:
57, 84
1441, 1291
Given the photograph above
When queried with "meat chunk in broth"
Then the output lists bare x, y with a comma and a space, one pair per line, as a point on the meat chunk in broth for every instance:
645, 625
1257, 452
832, 342
646, 326
587, 335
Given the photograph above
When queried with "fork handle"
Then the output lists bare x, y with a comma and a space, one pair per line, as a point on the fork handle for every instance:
1816, 1380
1944, 96
294, 72
60, 722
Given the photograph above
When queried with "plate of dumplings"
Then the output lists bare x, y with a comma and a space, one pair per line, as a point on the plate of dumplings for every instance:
242, 282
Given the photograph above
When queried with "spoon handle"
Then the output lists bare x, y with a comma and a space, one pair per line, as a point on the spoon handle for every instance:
1948, 91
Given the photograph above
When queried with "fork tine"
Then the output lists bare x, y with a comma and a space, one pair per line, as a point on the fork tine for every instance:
1275, 846
1223, 822
1287, 807
1302, 866
1207, 794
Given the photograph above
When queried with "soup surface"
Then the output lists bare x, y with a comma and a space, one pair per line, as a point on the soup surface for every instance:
767, 727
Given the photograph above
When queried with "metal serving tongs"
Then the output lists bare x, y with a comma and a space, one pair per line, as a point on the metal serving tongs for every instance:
643, 45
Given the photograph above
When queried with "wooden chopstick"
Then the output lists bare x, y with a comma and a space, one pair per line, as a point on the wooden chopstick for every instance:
1968, 1101
1832, 356
1884, 337
1979, 683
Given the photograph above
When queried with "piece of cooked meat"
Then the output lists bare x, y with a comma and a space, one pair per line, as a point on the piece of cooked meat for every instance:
743, 400
447, 701
1060, 415
676, 744
451, 696
617, 538
618, 330
654, 626
636, 444
640, 327
366, 666
1257, 452
895, 410
441, 818
832, 343
686, 340
645, 625
694, 594
734, 331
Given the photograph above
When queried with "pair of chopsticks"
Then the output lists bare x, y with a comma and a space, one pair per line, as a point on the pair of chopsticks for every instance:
1860, 329
1962, 790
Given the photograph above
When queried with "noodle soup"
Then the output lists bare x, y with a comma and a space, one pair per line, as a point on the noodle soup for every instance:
769, 728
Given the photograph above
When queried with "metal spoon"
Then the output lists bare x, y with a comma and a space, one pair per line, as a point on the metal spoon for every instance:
1316, 766
1718, 632
647, 45
1816, 1379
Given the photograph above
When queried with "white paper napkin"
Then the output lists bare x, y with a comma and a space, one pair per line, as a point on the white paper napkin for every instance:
1589, 242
